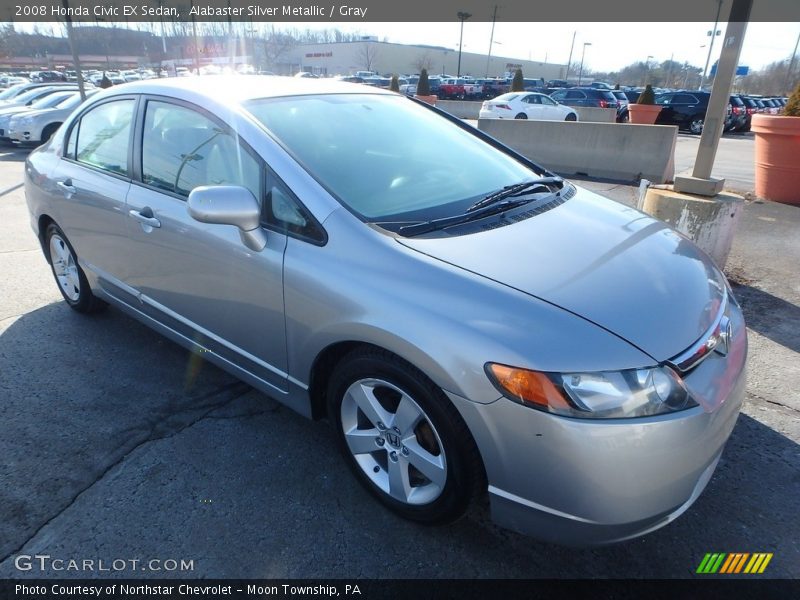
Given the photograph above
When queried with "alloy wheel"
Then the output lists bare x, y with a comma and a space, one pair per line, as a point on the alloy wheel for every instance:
393, 441
65, 268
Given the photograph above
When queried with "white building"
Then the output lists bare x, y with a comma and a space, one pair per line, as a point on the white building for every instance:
345, 58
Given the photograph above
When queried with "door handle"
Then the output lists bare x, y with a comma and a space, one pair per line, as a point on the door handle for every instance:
67, 186
146, 217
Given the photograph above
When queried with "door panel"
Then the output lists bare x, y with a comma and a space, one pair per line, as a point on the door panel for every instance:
94, 219
533, 108
201, 281
93, 179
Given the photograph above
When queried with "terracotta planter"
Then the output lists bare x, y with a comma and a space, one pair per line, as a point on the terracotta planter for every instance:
777, 165
643, 114
429, 99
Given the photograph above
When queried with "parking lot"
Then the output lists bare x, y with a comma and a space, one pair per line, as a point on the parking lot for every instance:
118, 444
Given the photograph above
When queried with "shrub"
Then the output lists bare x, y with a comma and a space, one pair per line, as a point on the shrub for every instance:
518, 84
423, 86
792, 108
647, 96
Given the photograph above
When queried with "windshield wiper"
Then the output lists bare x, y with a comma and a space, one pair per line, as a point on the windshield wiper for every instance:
433, 225
515, 190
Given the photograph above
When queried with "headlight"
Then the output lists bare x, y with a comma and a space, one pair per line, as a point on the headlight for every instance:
601, 395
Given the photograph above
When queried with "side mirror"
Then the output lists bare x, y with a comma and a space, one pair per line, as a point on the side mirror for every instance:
229, 205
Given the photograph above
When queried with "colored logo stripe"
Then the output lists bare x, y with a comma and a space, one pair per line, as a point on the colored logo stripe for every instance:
724, 563
734, 563
758, 563
711, 563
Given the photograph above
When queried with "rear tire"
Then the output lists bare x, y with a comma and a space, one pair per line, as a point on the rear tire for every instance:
69, 276
696, 125
402, 437
521, 116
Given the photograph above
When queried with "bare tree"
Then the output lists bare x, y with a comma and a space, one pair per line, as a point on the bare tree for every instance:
424, 61
367, 55
276, 44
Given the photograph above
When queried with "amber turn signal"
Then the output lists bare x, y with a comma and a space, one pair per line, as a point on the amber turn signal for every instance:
527, 386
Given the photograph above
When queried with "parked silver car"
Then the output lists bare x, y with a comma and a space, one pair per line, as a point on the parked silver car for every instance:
467, 320
37, 125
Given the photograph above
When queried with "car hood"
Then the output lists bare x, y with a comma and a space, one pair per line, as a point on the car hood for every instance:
603, 261
35, 113
12, 110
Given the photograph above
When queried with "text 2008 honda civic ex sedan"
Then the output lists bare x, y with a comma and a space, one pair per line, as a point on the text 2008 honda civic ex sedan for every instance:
467, 320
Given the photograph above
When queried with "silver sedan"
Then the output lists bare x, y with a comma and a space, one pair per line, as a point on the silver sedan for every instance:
469, 322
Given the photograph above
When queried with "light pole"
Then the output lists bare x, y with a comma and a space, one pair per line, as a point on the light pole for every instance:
791, 67
490, 56
491, 41
569, 60
583, 55
646, 70
713, 33
462, 16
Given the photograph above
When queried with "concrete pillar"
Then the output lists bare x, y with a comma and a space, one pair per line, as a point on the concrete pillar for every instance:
708, 222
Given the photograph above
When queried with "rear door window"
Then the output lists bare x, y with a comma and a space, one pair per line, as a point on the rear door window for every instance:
102, 136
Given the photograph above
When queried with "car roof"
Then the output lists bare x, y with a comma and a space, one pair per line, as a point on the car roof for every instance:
240, 88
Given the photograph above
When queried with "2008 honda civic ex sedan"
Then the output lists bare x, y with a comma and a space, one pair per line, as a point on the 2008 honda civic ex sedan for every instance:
467, 320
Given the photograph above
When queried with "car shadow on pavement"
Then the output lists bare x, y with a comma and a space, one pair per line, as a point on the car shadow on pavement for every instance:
13, 154
107, 436
769, 315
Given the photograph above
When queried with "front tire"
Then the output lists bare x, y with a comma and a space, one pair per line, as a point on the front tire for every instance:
403, 439
571, 117
69, 276
696, 125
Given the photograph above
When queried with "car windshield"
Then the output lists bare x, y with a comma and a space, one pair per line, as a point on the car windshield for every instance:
51, 100
73, 101
31, 95
11, 92
385, 157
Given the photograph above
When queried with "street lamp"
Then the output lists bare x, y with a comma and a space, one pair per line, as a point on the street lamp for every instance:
489, 58
712, 34
646, 70
583, 55
462, 16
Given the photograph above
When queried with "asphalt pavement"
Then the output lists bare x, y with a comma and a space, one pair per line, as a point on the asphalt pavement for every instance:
117, 445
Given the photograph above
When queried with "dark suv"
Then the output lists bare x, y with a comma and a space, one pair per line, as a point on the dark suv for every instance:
739, 118
687, 110
586, 97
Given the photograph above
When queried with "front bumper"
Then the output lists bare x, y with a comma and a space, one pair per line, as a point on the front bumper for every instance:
588, 482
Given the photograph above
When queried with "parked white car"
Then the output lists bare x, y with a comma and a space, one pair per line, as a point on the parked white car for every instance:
46, 101
527, 105
36, 126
